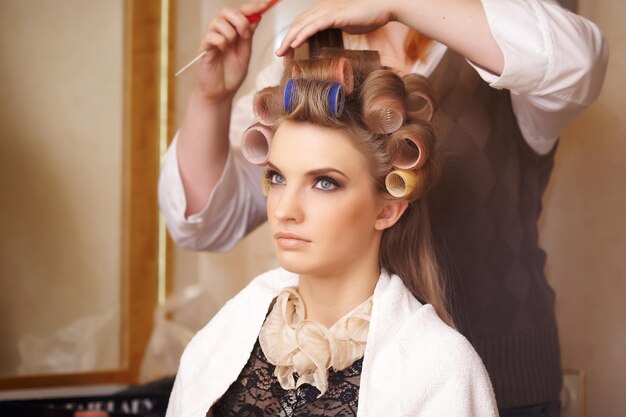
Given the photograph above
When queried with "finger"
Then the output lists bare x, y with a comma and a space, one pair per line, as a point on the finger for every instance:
287, 39
239, 21
212, 27
288, 58
216, 40
251, 8
309, 30
312, 15
291, 33
223, 27
297, 32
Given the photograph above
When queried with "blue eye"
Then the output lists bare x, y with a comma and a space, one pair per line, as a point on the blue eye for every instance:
274, 177
326, 184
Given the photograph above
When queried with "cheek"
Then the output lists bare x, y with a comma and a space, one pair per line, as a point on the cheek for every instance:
272, 199
269, 206
352, 219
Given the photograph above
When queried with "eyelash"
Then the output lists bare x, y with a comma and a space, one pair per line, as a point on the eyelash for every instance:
332, 181
270, 177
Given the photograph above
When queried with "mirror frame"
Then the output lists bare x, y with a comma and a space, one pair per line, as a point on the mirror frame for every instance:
146, 86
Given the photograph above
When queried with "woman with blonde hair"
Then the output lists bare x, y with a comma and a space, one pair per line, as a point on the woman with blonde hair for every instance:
354, 323
508, 75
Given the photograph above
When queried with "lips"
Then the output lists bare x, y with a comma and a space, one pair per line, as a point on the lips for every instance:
287, 240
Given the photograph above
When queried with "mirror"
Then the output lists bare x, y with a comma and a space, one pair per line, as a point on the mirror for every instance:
80, 122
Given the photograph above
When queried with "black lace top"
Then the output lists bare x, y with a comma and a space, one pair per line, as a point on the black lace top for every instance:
257, 393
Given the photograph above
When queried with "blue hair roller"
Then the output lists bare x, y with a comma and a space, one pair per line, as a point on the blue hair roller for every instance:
336, 99
290, 94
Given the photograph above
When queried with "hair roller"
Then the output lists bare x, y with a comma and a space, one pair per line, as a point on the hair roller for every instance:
255, 145
303, 97
383, 97
336, 99
407, 147
404, 183
419, 102
266, 105
400, 183
337, 69
290, 95
362, 62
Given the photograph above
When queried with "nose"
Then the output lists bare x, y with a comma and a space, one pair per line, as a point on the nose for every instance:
287, 205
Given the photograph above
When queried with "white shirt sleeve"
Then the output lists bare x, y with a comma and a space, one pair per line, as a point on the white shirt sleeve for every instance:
236, 206
554, 65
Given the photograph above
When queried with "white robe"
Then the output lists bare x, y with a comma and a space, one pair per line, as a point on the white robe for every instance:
414, 364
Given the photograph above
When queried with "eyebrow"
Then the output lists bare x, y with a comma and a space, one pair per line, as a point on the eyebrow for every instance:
314, 172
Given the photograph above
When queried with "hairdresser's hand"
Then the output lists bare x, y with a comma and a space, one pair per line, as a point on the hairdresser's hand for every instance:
352, 16
228, 45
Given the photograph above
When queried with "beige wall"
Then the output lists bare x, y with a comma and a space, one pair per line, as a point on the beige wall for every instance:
584, 229
60, 183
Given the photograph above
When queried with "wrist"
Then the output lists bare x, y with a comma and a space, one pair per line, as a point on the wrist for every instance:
200, 98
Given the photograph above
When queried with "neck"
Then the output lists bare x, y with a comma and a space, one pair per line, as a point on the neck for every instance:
329, 297
389, 42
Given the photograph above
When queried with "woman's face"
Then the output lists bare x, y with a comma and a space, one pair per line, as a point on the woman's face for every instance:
322, 208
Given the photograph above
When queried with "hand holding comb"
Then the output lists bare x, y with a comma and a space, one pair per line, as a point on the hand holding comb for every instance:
253, 18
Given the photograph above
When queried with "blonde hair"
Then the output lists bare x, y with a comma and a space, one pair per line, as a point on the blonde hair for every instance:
389, 119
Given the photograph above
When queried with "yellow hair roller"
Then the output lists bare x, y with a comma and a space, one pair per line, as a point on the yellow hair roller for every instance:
400, 183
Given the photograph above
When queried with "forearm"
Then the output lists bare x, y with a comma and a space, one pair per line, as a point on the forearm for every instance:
460, 24
554, 61
202, 148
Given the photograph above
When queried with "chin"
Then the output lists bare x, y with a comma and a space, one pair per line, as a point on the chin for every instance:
297, 263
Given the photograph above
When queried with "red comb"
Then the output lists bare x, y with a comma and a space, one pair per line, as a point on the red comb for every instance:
255, 17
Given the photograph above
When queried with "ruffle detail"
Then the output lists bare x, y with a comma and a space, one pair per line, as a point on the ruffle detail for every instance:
295, 345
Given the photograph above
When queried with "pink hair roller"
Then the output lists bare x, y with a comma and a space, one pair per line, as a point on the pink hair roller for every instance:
407, 150
265, 106
341, 71
255, 145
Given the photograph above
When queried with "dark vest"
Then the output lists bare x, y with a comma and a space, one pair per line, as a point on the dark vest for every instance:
484, 213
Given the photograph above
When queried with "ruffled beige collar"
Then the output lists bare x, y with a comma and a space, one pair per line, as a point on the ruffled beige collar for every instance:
294, 344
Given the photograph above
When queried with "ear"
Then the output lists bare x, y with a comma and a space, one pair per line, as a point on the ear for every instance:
389, 213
